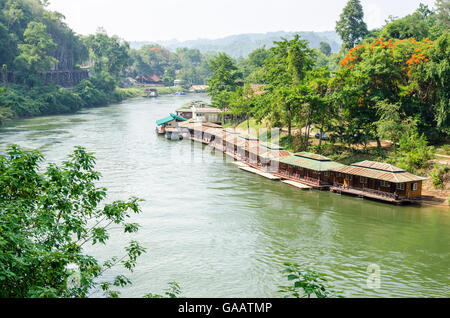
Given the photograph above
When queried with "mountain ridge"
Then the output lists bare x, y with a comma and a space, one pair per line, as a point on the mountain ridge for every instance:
240, 45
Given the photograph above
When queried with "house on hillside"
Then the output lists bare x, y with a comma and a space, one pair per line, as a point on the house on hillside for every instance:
149, 80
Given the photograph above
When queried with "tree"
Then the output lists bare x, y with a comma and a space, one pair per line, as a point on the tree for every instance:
319, 102
413, 153
47, 218
109, 54
288, 62
325, 48
8, 47
419, 25
34, 53
242, 103
5, 76
443, 12
390, 125
224, 79
351, 26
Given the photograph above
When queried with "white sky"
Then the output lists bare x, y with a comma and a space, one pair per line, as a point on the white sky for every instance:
151, 20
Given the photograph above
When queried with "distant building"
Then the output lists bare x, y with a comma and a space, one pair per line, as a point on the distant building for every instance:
149, 79
202, 113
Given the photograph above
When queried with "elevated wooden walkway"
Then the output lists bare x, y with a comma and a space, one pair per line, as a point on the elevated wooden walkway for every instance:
296, 185
311, 184
374, 195
260, 173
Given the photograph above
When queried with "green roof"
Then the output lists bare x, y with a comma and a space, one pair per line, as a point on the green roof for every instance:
169, 119
188, 107
185, 108
178, 117
310, 163
271, 146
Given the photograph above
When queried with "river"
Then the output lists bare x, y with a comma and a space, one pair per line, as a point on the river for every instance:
222, 232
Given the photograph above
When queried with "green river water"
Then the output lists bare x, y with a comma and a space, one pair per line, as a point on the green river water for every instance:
222, 232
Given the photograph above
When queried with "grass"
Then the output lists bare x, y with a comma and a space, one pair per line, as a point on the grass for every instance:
131, 91
444, 150
169, 90
244, 125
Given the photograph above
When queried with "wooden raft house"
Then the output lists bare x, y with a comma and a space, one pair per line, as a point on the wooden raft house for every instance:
310, 169
367, 179
169, 126
379, 181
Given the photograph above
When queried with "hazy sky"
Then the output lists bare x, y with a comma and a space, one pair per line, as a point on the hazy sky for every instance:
139, 20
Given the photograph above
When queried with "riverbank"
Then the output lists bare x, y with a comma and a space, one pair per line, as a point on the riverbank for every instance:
20, 101
162, 90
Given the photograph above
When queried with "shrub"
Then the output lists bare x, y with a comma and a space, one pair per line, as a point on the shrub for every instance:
438, 176
306, 283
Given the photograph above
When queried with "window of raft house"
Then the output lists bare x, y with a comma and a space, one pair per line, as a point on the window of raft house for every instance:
363, 180
414, 186
348, 177
385, 184
400, 186
327, 173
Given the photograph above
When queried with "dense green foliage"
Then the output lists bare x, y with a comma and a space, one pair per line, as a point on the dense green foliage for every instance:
23, 101
35, 41
306, 284
438, 176
224, 80
187, 65
47, 218
29, 30
108, 54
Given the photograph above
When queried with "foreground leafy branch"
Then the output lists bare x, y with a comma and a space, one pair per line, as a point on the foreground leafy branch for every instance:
46, 219
306, 284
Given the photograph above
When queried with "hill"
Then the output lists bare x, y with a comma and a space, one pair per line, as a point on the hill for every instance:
241, 45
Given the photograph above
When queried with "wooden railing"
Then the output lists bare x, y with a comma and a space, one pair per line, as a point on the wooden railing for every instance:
303, 178
371, 191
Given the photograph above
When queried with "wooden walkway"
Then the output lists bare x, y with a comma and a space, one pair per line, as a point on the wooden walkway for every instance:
366, 194
260, 173
307, 183
297, 185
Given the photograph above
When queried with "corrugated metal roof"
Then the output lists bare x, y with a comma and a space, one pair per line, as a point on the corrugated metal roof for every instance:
271, 146
169, 119
311, 164
378, 166
394, 177
246, 144
312, 156
206, 109
249, 137
164, 121
178, 117
275, 154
